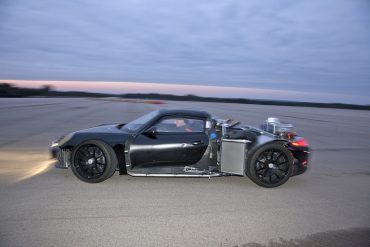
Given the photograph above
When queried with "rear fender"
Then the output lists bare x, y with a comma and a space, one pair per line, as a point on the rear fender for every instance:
261, 141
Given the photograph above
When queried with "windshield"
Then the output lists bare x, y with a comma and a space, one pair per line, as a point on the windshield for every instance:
138, 123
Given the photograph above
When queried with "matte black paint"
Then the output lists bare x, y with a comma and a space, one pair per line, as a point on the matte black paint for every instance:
167, 148
110, 134
137, 149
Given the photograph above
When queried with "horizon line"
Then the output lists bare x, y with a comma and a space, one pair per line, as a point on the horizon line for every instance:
121, 87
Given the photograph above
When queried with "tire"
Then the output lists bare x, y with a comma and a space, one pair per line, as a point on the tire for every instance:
270, 166
93, 161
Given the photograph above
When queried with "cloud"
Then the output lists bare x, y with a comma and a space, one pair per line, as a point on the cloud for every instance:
289, 45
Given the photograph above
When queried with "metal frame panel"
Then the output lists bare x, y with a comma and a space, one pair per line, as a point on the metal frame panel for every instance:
233, 158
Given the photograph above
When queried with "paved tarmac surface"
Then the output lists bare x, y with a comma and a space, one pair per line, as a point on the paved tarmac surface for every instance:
44, 206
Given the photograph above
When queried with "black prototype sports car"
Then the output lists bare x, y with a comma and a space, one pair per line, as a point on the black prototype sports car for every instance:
184, 143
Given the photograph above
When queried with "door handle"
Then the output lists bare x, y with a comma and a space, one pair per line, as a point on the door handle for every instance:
197, 143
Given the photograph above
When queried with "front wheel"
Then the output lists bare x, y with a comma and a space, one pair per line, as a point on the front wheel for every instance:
270, 166
93, 161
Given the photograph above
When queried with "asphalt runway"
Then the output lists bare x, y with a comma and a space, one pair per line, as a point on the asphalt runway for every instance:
44, 206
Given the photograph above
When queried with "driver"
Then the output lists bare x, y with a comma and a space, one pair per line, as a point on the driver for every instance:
183, 125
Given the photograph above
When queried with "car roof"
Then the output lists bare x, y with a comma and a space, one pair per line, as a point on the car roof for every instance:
185, 112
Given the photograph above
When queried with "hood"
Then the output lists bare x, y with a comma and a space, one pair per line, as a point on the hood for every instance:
109, 133
105, 128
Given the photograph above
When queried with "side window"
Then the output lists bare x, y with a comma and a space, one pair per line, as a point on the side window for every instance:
180, 125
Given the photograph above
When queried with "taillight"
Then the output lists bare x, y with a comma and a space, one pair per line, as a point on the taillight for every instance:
300, 143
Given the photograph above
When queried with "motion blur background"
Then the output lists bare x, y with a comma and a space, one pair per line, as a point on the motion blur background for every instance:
287, 50
309, 51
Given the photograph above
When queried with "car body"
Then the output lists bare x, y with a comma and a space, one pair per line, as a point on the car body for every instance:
184, 143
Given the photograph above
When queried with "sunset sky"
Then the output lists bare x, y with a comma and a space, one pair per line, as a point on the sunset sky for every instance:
289, 50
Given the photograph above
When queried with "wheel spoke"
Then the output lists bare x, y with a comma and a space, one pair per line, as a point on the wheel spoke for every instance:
79, 159
272, 166
83, 149
262, 173
278, 157
282, 163
269, 154
96, 170
260, 161
278, 177
82, 152
260, 169
92, 169
282, 170
101, 160
100, 168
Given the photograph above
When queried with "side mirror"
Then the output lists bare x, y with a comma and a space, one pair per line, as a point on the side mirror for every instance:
151, 132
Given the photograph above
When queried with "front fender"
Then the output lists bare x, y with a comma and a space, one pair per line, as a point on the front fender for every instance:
76, 138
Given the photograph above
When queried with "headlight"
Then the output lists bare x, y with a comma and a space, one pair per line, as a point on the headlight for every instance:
54, 143
60, 141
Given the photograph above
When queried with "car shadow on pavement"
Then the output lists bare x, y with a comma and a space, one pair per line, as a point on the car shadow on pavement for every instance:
342, 238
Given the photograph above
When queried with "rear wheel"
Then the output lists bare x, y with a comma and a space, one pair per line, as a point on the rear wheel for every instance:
93, 161
270, 166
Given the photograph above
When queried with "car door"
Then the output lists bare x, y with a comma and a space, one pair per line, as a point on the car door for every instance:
173, 141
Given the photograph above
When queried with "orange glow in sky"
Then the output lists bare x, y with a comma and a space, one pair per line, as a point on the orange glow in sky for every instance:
182, 89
